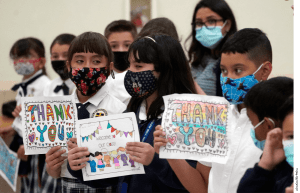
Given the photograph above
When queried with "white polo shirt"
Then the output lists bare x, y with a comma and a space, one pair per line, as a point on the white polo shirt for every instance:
102, 104
225, 178
49, 88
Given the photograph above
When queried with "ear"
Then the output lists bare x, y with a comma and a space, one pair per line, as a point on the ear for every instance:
269, 124
228, 25
266, 70
42, 63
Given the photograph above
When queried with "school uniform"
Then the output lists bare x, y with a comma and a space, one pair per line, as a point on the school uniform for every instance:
258, 179
101, 104
158, 177
33, 170
117, 87
59, 87
225, 178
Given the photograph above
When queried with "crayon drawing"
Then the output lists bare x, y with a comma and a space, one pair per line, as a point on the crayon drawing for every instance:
9, 165
47, 122
106, 138
196, 128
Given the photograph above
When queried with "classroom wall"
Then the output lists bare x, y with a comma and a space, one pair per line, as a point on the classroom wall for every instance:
46, 19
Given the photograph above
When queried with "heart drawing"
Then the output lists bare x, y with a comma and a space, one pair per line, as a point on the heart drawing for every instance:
31, 137
172, 139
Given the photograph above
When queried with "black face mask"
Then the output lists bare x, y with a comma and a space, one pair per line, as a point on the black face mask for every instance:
120, 62
59, 67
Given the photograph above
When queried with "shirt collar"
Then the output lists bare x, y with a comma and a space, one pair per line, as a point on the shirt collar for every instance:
143, 114
35, 74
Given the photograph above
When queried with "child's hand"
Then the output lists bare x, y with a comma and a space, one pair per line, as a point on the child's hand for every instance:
54, 160
21, 153
77, 157
273, 152
290, 189
159, 138
140, 152
17, 111
72, 143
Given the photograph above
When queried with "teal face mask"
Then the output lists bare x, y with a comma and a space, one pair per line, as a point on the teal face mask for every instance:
257, 143
288, 147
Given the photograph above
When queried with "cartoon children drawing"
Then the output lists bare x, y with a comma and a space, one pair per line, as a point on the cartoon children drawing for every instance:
107, 160
92, 163
132, 162
115, 158
101, 164
124, 158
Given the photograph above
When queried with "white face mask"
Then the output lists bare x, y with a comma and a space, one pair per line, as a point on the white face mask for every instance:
23, 68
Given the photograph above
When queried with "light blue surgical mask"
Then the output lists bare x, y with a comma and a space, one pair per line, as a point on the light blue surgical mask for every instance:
257, 143
210, 37
288, 147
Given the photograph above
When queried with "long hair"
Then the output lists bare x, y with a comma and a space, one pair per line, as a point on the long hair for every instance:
197, 50
169, 59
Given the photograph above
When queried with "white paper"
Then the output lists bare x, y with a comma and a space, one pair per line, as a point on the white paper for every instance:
47, 122
9, 165
196, 127
108, 135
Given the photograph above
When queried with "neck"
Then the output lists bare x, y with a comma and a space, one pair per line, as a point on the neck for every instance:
150, 100
240, 107
25, 77
82, 99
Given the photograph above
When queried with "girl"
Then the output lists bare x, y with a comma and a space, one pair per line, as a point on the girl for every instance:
213, 22
101, 164
28, 55
59, 52
159, 65
89, 64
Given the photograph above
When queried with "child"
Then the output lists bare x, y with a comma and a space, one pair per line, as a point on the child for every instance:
59, 52
28, 55
161, 59
274, 171
120, 34
89, 64
245, 55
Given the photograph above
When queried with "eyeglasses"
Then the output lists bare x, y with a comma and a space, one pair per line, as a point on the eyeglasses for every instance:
209, 24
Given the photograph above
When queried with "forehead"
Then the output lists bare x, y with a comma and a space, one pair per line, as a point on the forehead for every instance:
231, 59
206, 12
120, 36
60, 48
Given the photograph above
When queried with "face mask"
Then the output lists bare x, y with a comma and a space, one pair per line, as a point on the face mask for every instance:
259, 144
140, 84
25, 68
210, 38
120, 62
88, 80
288, 147
235, 90
59, 67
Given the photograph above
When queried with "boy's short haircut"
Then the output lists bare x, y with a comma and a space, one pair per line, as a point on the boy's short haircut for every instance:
286, 109
120, 26
265, 98
63, 39
92, 42
250, 41
8, 108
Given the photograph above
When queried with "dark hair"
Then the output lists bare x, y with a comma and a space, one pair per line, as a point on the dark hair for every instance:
23, 46
286, 109
8, 108
265, 98
169, 59
62, 39
98, 153
120, 26
92, 42
250, 41
160, 25
197, 50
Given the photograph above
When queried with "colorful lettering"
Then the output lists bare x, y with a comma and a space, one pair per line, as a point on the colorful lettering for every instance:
49, 112
52, 133
67, 112
59, 112
186, 134
41, 112
41, 132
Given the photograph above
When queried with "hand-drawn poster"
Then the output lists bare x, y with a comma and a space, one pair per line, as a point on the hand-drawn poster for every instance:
196, 127
106, 138
47, 122
9, 165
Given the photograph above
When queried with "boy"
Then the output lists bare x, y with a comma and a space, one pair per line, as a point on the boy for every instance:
246, 59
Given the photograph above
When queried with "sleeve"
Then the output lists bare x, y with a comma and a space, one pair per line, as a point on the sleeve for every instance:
165, 173
102, 183
256, 179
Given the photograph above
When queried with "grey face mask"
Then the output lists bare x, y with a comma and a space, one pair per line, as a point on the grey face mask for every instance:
23, 68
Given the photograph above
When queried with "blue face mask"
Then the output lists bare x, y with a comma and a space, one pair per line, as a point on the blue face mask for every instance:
257, 143
208, 37
235, 90
288, 147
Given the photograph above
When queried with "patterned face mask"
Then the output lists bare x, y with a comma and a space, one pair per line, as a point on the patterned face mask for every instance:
88, 80
140, 84
235, 90
25, 68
